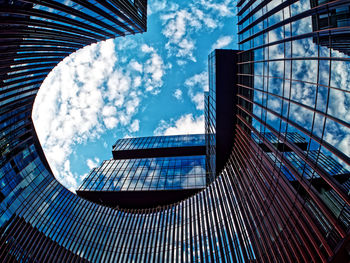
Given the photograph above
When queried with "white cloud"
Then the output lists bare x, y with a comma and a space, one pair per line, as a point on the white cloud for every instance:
108, 110
137, 81
135, 126
68, 178
178, 94
222, 42
156, 6
93, 163
155, 68
198, 100
181, 62
179, 25
200, 80
186, 124
110, 122
147, 49
136, 66
88, 93
197, 84
126, 43
223, 9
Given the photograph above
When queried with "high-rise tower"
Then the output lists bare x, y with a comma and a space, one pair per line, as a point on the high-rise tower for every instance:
273, 201
148, 172
289, 65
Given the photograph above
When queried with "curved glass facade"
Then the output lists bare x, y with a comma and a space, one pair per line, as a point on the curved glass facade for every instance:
293, 76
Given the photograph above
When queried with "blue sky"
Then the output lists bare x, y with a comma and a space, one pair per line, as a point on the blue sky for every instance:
142, 85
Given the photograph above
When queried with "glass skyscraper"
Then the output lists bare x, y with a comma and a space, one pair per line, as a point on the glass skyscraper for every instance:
265, 205
297, 73
148, 172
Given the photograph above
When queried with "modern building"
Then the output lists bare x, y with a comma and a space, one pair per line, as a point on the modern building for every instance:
293, 137
293, 91
159, 146
220, 103
337, 19
265, 205
148, 172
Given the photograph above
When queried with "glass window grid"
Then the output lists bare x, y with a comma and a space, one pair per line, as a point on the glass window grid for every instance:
303, 167
162, 173
94, 13
159, 142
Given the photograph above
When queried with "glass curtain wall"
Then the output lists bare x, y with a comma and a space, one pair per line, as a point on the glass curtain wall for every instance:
294, 62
